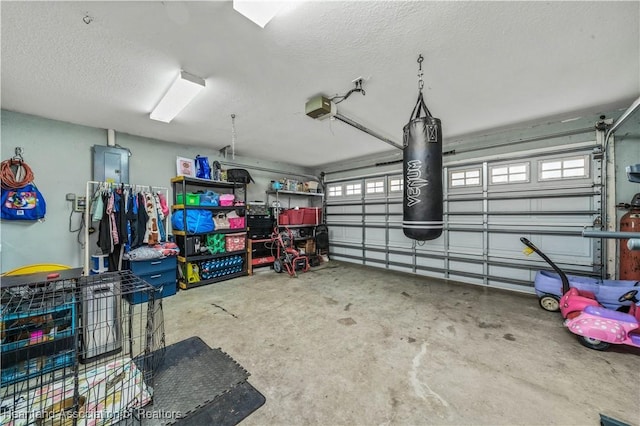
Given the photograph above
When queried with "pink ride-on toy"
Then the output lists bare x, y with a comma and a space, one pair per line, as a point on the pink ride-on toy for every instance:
573, 300
597, 327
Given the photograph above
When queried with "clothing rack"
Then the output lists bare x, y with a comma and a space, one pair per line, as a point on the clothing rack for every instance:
91, 188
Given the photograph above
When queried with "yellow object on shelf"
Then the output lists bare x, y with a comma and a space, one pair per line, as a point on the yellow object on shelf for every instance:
193, 273
36, 267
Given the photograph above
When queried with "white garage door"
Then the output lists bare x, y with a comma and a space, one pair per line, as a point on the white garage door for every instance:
488, 206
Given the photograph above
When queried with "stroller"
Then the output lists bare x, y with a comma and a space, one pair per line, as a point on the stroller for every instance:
287, 257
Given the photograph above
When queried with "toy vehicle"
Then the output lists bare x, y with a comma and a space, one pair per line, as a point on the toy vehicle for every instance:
597, 327
550, 287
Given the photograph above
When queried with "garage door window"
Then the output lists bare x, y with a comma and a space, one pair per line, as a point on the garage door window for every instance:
564, 168
461, 178
353, 189
396, 185
335, 191
375, 187
509, 173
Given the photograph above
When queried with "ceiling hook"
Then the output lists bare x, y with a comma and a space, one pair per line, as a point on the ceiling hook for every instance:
420, 59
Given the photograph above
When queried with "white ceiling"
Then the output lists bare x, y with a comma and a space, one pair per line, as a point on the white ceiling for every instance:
487, 65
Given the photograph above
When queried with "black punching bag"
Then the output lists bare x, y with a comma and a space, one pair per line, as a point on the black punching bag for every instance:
422, 169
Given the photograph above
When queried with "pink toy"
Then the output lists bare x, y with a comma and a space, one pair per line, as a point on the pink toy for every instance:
574, 301
597, 327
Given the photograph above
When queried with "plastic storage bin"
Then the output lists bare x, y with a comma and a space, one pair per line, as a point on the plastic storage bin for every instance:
226, 200
192, 199
236, 222
312, 216
235, 242
296, 217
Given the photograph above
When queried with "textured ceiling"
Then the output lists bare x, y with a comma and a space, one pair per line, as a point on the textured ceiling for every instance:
487, 65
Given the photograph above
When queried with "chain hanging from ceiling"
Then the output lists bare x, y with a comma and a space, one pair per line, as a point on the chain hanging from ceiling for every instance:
233, 136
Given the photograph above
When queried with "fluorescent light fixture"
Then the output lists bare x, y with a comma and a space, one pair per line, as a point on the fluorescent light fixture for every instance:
260, 12
181, 92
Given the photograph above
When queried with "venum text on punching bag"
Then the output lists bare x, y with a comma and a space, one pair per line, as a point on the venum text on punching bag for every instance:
422, 169
414, 182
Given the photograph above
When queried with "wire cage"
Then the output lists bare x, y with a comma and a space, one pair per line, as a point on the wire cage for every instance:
78, 350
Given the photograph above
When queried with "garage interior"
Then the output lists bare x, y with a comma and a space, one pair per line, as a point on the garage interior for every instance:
540, 139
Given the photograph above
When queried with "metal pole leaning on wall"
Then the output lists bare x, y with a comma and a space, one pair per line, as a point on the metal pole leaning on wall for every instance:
610, 234
634, 239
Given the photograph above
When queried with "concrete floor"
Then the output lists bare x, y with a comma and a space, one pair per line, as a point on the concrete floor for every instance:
349, 345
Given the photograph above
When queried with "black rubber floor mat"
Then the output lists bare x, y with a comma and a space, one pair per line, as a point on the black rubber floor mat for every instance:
191, 376
228, 409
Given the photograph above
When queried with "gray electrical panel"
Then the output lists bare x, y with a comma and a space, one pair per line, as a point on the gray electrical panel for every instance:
110, 164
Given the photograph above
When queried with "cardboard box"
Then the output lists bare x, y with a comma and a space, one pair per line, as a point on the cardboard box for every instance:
310, 247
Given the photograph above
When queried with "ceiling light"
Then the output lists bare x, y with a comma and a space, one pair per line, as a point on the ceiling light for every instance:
181, 92
260, 12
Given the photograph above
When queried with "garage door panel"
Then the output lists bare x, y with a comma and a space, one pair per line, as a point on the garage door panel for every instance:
395, 209
397, 238
336, 233
344, 235
564, 204
430, 274
375, 221
507, 285
515, 273
352, 252
375, 208
434, 262
509, 205
371, 254
431, 245
344, 209
543, 220
401, 258
338, 209
339, 218
454, 220
506, 245
565, 249
465, 206
466, 241
401, 268
475, 268
465, 279
375, 236
481, 240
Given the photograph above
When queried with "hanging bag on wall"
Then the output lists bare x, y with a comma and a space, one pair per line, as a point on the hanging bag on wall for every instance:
422, 170
21, 199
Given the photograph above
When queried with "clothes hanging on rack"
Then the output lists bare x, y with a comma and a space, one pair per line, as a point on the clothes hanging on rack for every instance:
129, 218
